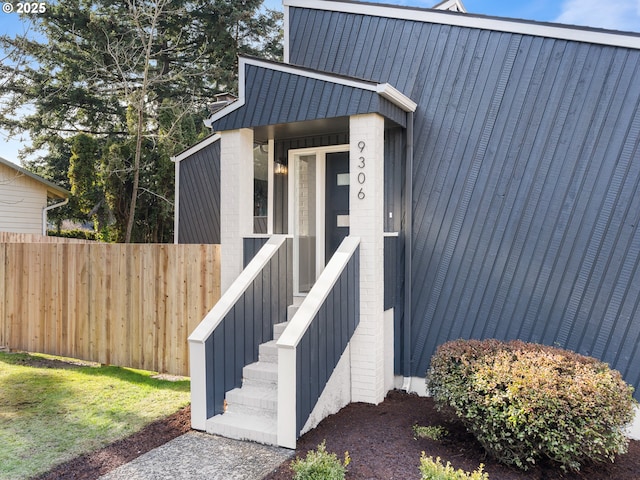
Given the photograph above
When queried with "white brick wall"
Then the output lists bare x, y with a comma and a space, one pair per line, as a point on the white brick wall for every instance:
236, 200
366, 204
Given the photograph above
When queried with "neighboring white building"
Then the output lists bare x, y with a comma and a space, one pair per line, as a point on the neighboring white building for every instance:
25, 199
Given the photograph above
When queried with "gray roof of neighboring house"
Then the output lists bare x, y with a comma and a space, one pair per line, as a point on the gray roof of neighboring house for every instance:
53, 190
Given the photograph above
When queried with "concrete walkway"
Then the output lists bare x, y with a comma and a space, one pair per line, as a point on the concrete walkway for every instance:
197, 455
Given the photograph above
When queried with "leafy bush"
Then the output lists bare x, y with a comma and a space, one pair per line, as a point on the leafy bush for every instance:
75, 233
320, 465
526, 402
432, 432
435, 470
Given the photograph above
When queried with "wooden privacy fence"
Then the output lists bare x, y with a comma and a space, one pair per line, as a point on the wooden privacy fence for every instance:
130, 305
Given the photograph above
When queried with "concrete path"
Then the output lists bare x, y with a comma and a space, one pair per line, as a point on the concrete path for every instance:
196, 455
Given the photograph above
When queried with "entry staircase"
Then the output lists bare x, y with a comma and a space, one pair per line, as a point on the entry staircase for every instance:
247, 386
251, 411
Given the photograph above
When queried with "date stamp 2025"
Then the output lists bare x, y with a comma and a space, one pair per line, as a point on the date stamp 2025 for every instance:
26, 8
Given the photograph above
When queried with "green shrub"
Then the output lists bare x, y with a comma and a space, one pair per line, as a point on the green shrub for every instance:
320, 465
525, 402
435, 470
432, 432
75, 233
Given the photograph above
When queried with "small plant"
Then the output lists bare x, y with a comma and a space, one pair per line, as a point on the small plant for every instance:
432, 432
320, 465
526, 402
435, 470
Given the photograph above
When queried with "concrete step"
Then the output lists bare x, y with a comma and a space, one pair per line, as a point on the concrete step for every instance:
253, 399
255, 428
268, 352
293, 308
260, 374
278, 328
291, 311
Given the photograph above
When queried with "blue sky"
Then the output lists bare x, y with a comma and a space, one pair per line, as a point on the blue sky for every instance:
612, 14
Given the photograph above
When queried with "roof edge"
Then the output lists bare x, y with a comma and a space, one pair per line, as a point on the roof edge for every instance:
205, 142
396, 97
385, 90
56, 190
524, 27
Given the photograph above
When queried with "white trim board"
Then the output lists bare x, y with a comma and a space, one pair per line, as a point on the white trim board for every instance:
195, 148
523, 27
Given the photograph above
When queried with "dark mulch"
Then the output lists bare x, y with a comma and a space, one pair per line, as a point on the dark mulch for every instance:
92, 465
379, 440
381, 445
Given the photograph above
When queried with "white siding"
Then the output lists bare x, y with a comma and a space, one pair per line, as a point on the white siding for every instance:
21, 202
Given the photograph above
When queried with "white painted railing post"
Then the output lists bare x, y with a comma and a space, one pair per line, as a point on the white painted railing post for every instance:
287, 413
198, 384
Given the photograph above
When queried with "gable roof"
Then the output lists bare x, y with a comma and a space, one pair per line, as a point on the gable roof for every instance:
483, 22
193, 149
272, 93
53, 190
451, 5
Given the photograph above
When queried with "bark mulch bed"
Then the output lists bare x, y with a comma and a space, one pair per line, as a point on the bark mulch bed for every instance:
92, 465
379, 439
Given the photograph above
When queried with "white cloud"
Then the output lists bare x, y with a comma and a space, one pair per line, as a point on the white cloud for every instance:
612, 14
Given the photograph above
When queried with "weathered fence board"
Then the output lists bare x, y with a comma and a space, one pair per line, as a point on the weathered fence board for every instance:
130, 305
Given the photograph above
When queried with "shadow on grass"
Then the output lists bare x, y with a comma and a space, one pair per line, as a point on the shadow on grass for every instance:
48, 417
94, 369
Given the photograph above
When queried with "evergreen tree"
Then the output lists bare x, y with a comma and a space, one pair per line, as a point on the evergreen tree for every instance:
123, 85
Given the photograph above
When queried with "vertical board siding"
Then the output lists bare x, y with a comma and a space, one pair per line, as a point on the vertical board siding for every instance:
274, 97
251, 246
199, 216
391, 268
525, 180
127, 305
325, 340
234, 342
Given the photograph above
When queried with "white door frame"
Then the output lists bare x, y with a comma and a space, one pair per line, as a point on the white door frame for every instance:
321, 158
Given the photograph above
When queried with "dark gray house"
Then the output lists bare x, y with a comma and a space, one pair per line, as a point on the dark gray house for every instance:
406, 177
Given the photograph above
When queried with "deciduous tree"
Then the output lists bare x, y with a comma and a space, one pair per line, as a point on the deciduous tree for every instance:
133, 77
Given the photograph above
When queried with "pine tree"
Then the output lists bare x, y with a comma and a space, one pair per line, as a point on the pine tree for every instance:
134, 78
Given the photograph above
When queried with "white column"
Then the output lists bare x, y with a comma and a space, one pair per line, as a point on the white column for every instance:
366, 204
236, 200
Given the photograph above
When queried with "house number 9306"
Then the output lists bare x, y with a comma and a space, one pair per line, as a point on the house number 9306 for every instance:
362, 177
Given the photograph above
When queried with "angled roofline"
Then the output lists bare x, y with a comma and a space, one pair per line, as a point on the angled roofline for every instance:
58, 192
385, 90
205, 142
451, 5
524, 27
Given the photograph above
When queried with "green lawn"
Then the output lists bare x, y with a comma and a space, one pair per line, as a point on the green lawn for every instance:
52, 410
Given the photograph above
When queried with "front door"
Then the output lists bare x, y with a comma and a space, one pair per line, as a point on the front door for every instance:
318, 209
337, 201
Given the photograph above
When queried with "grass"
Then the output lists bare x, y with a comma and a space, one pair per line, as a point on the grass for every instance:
52, 410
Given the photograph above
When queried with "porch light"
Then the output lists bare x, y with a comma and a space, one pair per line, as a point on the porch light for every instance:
279, 168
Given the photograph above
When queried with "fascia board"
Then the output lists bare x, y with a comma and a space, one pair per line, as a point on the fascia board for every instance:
523, 27
54, 190
196, 148
395, 96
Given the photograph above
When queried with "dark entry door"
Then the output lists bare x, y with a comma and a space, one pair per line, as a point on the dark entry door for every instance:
337, 201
